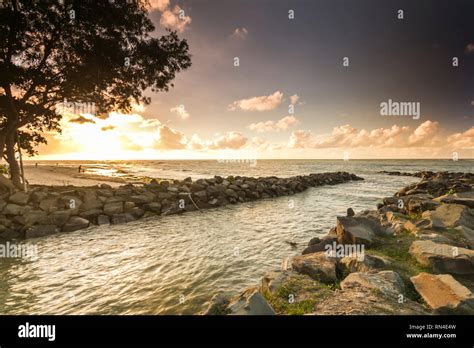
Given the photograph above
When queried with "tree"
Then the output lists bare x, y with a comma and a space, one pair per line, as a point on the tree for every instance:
102, 52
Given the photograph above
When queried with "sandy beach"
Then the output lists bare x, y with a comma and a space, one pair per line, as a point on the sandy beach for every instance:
53, 175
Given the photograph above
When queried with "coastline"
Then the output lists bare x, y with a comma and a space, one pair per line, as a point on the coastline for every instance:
411, 256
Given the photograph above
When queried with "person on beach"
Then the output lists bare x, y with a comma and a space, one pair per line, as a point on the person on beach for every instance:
80, 168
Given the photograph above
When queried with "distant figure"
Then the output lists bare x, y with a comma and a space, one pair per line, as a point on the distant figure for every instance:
80, 168
36, 164
57, 164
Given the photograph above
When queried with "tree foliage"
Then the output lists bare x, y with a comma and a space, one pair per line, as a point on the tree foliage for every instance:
102, 52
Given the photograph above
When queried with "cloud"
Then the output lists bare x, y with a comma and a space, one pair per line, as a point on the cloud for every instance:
272, 126
81, 120
171, 17
169, 139
425, 135
294, 99
240, 33
470, 48
175, 18
263, 103
231, 140
159, 5
181, 112
107, 128
463, 140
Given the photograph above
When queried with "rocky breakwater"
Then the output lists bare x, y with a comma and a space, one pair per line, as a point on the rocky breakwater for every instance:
46, 210
414, 254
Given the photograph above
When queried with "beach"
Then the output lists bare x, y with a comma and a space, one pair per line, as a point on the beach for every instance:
53, 175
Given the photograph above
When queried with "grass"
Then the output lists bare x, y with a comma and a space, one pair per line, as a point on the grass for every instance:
304, 291
396, 248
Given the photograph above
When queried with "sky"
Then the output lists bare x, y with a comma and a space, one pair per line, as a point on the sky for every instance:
311, 79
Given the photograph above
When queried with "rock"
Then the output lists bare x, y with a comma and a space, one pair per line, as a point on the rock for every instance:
19, 197
467, 234
13, 209
8, 234
122, 218
141, 199
113, 208
91, 201
351, 230
103, 220
40, 231
128, 205
217, 305
360, 300
49, 205
154, 207
92, 214
321, 246
201, 195
59, 217
416, 226
387, 282
463, 198
350, 212
250, 302
75, 223
316, 265
314, 240
105, 186
444, 294
443, 258
38, 196
137, 212
231, 193
450, 215
34, 217
350, 264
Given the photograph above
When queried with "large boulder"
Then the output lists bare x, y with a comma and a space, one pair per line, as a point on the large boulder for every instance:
443, 258
361, 300
75, 223
318, 266
19, 197
387, 282
444, 294
41, 231
59, 217
450, 215
356, 230
463, 198
13, 209
91, 201
113, 208
317, 245
350, 264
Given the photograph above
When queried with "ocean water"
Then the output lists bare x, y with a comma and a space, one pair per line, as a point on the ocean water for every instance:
174, 264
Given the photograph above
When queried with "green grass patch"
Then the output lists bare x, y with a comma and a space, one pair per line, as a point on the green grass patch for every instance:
298, 295
396, 249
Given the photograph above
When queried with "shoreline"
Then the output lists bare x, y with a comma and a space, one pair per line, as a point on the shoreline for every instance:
413, 255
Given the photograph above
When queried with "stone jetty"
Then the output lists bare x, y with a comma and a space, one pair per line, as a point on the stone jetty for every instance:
47, 210
414, 254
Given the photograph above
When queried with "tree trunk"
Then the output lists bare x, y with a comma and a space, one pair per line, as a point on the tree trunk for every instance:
15, 173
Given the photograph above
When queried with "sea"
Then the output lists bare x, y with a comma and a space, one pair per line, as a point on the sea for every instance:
174, 264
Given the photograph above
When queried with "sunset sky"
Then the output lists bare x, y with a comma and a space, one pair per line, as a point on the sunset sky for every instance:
297, 65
